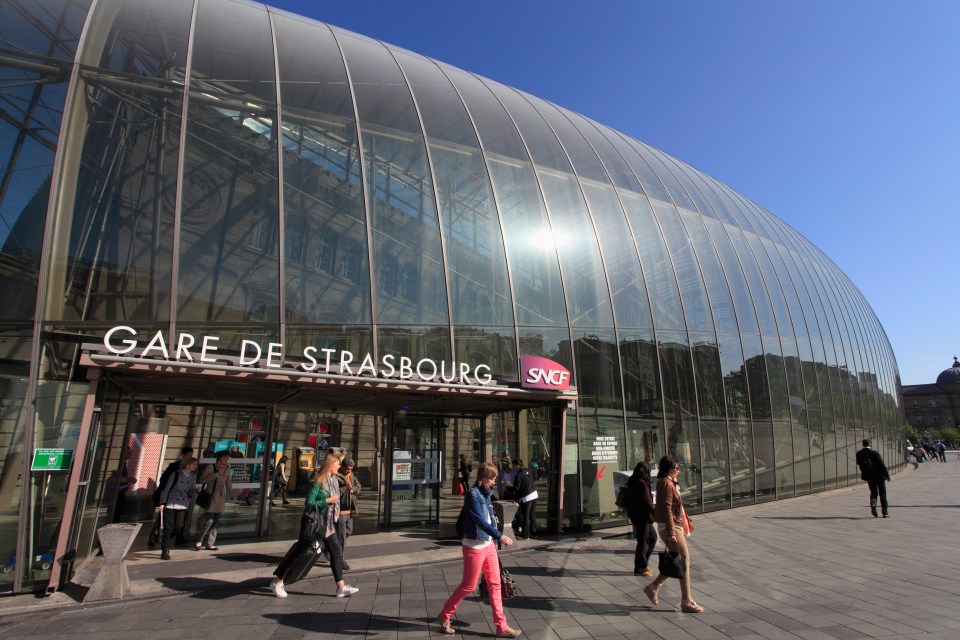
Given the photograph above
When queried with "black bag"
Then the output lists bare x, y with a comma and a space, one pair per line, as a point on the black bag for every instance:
312, 525
154, 536
508, 588
623, 497
673, 565
300, 559
204, 499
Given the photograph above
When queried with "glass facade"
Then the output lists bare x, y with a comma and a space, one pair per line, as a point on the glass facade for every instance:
220, 167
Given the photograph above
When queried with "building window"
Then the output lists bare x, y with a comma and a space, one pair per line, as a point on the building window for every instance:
932, 403
920, 421
261, 233
936, 420
349, 262
323, 256
916, 405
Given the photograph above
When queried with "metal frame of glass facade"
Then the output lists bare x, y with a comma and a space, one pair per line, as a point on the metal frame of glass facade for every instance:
221, 166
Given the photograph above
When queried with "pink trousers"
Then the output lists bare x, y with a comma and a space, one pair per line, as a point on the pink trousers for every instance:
475, 561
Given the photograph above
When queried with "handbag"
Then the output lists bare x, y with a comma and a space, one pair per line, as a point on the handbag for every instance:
673, 565
312, 525
154, 536
508, 588
204, 498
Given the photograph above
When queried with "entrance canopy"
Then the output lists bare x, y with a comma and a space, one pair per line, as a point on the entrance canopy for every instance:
227, 383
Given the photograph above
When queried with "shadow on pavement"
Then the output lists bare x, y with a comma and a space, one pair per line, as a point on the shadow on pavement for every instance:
352, 623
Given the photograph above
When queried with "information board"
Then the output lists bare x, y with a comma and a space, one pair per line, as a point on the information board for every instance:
52, 459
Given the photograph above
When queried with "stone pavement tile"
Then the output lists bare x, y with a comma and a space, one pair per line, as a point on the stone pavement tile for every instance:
843, 632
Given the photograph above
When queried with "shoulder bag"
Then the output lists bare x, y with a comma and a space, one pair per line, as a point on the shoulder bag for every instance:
673, 565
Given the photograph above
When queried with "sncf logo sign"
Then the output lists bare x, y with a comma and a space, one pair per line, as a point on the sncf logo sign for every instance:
540, 373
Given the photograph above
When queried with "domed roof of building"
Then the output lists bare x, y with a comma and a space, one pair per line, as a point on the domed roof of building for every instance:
951, 375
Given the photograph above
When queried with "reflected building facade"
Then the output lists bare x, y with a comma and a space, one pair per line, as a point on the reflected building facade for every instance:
217, 167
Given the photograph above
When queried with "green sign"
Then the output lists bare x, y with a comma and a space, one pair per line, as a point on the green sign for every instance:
52, 459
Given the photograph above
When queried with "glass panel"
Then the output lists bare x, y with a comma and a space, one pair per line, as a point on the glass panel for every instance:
715, 281
760, 410
410, 285
798, 415
740, 430
530, 244
733, 273
548, 342
648, 179
625, 277
613, 163
811, 414
382, 95
782, 316
544, 148
229, 214
338, 337
588, 299
476, 259
493, 346
600, 413
327, 273
661, 281
758, 289
677, 194
126, 182
641, 392
498, 134
679, 397
40, 34
696, 306
585, 162
415, 343
782, 436
444, 116
14, 376
714, 468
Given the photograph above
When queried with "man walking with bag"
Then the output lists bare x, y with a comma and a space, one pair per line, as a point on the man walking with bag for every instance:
876, 475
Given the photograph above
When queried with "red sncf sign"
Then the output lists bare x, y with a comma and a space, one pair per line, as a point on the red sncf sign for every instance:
541, 373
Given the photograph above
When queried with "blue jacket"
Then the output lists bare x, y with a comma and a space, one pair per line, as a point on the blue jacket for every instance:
478, 503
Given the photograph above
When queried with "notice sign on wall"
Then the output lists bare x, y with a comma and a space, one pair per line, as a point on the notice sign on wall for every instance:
605, 449
51, 459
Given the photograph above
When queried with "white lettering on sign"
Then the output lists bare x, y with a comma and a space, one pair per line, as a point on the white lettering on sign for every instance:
121, 340
605, 449
537, 375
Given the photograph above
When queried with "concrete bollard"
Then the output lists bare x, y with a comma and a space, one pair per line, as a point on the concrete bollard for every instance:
112, 582
506, 510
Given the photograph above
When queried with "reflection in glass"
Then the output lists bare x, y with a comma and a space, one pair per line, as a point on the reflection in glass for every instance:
680, 407
739, 427
715, 474
641, 393
414, 343
493, 346
756, 374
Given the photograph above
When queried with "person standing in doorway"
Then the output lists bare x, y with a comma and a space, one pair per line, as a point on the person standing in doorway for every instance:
175, 497
640, 512
480, 554
123, 486
526, 494
876, 475
349, 489
281, 477
219, 485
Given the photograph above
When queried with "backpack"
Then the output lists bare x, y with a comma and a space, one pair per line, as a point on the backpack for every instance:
460, 521
867, 469
623, 497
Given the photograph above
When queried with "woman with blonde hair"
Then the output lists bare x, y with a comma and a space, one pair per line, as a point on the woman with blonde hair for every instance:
672, 522
480, 553
324, 496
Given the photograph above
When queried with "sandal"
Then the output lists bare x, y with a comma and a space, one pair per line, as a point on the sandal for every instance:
691, 607
651, 591
445, 628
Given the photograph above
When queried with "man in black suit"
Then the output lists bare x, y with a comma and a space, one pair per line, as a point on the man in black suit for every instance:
875, 473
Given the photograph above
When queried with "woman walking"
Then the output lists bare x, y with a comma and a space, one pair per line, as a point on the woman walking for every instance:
217, 477
480, 553
670, 517
175, 496
324, 495
640, 511
281, 476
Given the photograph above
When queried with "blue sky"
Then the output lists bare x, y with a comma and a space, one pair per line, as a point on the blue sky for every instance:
842, 117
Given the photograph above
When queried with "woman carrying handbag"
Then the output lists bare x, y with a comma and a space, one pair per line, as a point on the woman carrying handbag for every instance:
672, 522
480, 553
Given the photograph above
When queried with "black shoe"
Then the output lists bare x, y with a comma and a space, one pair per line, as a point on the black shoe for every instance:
886, 515
346, 565
873, 512
165, 555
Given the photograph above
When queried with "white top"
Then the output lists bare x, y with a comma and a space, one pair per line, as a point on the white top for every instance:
473, 543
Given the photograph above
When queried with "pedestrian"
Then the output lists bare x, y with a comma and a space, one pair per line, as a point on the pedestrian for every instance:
185, 454
671, 518
526, 494
875, 473
465, 470
220, 486
324, 495
941, 451
179, 489
349, 490
480, 553
124, 481
505, 480
281, 476
640, 511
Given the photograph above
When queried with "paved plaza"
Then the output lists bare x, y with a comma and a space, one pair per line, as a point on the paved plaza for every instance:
816, 567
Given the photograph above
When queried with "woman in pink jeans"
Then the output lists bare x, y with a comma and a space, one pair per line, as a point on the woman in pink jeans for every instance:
480, 553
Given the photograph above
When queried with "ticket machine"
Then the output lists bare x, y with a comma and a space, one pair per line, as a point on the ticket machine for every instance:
304, 459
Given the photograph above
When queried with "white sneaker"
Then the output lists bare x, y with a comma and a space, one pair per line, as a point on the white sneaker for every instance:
346, 590
277, 587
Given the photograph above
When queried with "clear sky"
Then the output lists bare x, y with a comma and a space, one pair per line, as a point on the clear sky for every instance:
841, 117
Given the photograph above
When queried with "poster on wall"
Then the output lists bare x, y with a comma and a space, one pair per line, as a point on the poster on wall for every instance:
145, 460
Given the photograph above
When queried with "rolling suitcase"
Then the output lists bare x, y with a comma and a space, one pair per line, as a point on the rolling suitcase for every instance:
300, 559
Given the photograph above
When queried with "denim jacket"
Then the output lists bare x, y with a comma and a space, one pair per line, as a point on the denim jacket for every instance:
478, 504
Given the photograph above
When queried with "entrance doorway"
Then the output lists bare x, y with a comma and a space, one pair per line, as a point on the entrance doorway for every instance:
416, 472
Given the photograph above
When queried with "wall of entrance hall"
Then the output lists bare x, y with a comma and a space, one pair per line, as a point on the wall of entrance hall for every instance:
407, 464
